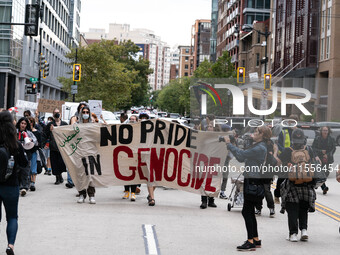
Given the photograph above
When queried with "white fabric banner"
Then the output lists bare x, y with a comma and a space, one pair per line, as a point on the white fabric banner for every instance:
156, 152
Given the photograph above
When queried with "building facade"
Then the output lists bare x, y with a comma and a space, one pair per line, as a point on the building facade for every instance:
154, 50
213, 33
23, 56
200, 41
186, 61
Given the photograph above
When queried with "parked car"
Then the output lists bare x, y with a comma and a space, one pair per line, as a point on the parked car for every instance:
110, 118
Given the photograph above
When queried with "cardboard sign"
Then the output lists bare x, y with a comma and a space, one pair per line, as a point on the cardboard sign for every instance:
156, 152
96, 107
48, 105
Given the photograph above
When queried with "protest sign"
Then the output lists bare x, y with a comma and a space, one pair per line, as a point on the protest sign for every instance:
48, 105
156, 152
26, 105
96, 107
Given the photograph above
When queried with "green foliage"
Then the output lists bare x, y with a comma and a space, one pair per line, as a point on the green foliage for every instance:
110, 73
308, 118
175, 96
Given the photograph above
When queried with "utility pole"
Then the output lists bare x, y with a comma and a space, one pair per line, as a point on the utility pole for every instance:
75, 83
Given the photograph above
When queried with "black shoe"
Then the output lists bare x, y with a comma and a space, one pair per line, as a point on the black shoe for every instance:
257, 243
9, 251
204, 205
272, 212
69, 185
247, 246
32, 188
49, 172
258, 212
325, 190
57, 180
211, 202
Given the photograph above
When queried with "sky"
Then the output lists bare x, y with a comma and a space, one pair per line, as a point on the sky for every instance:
169, 19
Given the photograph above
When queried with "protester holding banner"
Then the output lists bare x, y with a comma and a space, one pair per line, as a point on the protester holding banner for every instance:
74, 119
9, 188
254, 158
324, 147
85, 117
23, 127
34, 152
46, 150
57, 163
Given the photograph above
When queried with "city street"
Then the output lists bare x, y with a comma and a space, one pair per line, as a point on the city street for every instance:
51, 222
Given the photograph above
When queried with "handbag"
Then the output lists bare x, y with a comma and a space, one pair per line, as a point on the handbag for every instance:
253, 189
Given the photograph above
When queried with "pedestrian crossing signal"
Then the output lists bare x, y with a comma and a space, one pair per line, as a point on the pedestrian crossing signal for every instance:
241, 75
267, 81
76, 72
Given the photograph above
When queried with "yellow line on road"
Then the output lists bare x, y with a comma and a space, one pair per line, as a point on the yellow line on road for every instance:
328, 209
328, 214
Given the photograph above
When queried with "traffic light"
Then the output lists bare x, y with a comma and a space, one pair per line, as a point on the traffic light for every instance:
42, 62
46, 70
32, 14
267, 81
76, 72
241, 75
34, 88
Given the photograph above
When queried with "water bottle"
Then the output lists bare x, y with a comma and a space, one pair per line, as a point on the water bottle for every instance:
10, 167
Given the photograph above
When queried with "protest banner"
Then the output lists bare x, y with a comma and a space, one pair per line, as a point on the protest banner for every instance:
157, 152
48, 105
26, 105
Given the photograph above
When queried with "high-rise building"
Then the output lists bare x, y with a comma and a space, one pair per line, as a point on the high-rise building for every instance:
59, 29
200, 41
152, 49
174, 63
213, 32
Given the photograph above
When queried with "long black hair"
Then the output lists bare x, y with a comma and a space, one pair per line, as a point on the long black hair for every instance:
8, 133
28, 126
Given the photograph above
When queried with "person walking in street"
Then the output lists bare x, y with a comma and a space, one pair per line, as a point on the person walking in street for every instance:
324, 147
297, 191
34, 152
12, 156
85, 117
57, 162
24, 127
254, 158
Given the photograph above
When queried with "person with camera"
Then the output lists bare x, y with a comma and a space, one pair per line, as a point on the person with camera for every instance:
254, 158
297, 190
324, 147
12, 162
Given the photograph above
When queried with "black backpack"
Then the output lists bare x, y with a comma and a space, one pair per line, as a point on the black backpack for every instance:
6, 167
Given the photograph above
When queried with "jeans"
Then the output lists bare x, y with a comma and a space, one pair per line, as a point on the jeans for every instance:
90, 191
9, 196
34, 163
248, 213
69, 179
297, 216
24, 178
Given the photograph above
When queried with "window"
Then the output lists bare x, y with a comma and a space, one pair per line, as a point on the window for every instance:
186, 58
186, 74
322, 49
186, 67
257, 59
323, 21
186, 50
328, 46
329, 18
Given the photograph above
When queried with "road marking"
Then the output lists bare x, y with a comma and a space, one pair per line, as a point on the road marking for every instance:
328, 214
328, 209
150, 240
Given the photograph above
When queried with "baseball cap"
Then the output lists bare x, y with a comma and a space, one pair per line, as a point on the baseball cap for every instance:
298, 136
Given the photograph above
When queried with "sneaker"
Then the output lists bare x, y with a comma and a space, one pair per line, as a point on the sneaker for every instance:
49, 172
92, 200
304, 235
222, 195
292, 238
32, 187
258, 212
46, 172
137, 191
257, 243
126, 194
23, 192
133, 197
277, 200
247, 246
325, 190
81, 199
271, 212
69, 185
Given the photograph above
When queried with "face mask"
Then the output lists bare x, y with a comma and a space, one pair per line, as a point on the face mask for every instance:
57, 115
86, 116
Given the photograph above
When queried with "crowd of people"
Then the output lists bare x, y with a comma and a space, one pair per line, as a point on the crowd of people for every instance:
30, 144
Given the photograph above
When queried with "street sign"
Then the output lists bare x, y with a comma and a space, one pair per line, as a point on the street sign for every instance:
34, 80
265, 94
74, 89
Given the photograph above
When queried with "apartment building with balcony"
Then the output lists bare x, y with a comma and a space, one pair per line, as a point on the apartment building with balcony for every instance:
200, 41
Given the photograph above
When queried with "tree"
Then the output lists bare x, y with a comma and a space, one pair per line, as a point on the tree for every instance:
110, 73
